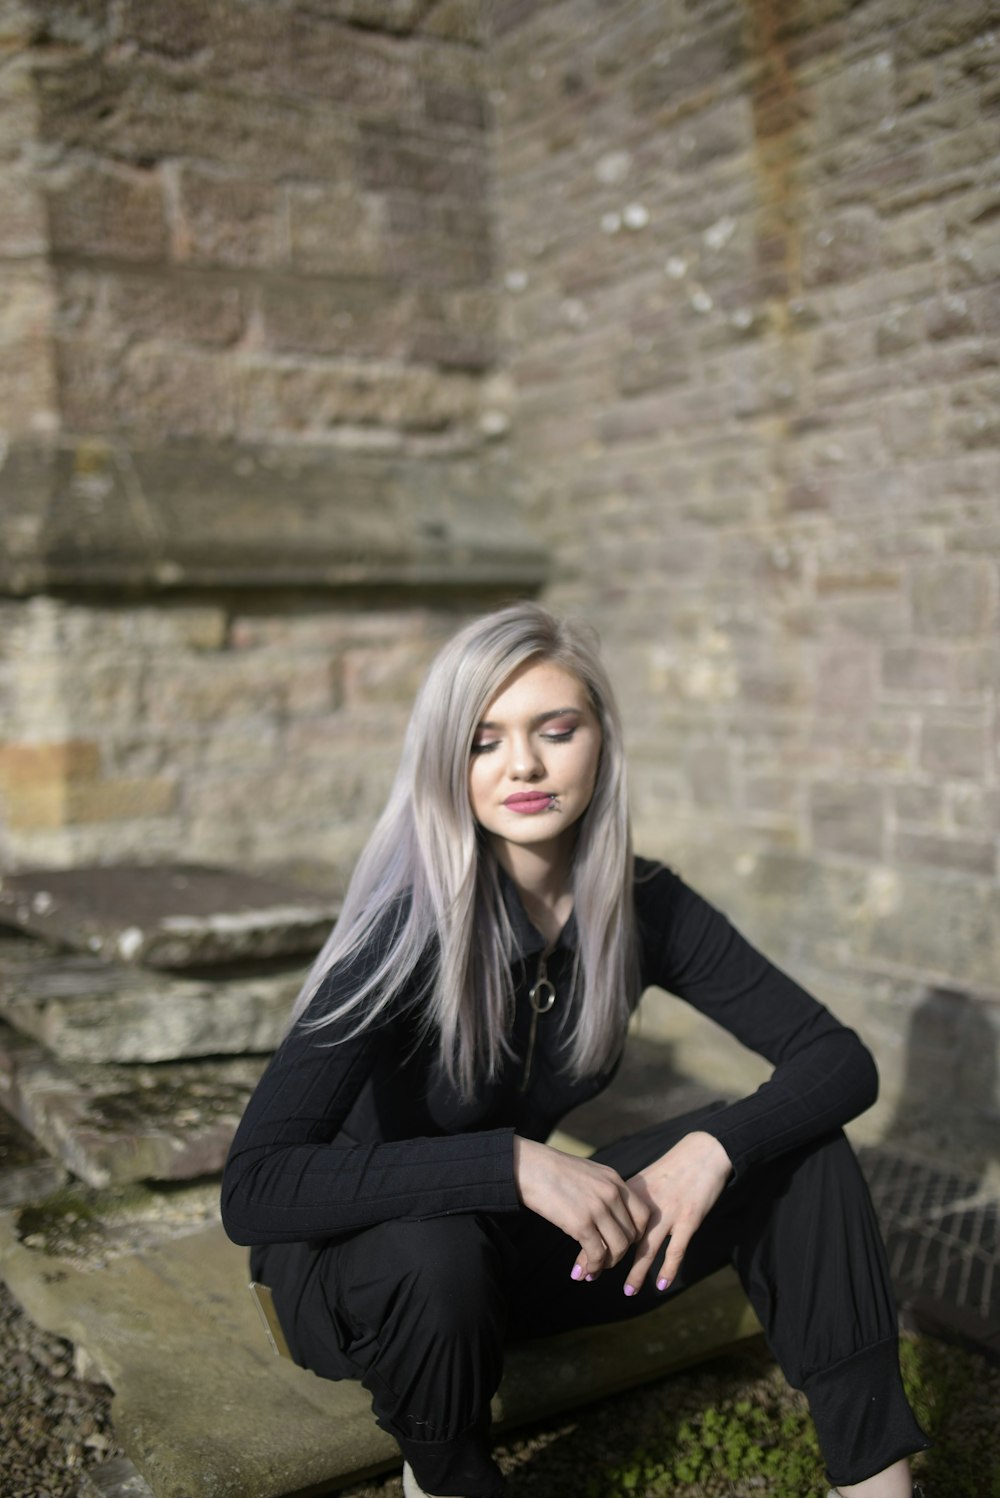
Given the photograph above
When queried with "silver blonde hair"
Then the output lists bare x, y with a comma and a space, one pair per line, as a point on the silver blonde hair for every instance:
427, 881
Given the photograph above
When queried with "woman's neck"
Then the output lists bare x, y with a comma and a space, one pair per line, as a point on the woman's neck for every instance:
543, 880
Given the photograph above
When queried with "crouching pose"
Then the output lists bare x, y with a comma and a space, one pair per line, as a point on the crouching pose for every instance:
391, 1171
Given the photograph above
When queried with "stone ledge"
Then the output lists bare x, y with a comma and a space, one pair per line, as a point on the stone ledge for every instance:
99, 513
82, 1008
170, 915
112, 1124
203, 1407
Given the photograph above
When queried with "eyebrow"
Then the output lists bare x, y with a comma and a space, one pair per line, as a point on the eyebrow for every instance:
558, 712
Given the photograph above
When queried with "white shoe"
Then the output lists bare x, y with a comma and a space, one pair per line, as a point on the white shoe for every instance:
411, 1487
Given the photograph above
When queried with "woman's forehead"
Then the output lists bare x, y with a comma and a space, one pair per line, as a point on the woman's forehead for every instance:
538, 686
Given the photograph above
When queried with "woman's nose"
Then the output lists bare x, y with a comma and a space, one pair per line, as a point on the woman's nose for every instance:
524, 763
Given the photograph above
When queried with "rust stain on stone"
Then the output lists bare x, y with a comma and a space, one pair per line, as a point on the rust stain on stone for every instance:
778, 110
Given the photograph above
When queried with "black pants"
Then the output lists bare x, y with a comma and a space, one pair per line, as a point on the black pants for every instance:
420, 1310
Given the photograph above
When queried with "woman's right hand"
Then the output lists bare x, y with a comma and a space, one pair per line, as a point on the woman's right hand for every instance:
589, 1202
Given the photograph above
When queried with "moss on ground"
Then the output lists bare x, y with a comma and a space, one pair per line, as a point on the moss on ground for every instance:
741, 1431
734, 1429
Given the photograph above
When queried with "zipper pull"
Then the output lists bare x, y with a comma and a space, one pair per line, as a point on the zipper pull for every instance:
541, 997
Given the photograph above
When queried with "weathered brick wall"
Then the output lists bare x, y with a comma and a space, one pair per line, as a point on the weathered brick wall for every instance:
201, 731
229, 231
751, 260
264, 220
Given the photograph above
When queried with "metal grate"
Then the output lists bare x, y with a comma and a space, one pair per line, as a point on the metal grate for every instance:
942, 1233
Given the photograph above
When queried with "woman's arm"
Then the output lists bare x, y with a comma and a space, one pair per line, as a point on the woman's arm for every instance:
823, 1074
287, 1178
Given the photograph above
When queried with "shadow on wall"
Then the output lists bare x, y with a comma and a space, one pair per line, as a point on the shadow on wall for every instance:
949, 1098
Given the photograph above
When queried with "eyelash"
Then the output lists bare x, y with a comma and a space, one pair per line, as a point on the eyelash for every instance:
551, 738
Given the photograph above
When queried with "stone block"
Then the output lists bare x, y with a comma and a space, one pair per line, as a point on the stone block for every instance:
898, 329
448, 104
724, 130
953, 596
451, 20
170, 391
111, 1124
854, 96
141, 111
345, 317
390, 160
944, 670
847, 818
23, 225
185, 306
932, 926
917, 235
975, 808
974, 419
110, 211
955, 748
364, 74
27, 1172
120, 799
23, 766
845, 676
335, 230
844, 246
932, 30
911, 425
662, 80
964, 855
83, 1008
922, 803
166, 915
398, 16
313, 399
220, 219
211, 38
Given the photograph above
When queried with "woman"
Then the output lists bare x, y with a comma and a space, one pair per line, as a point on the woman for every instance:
391, 1171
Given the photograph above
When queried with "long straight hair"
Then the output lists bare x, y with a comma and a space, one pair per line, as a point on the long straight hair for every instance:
427, 885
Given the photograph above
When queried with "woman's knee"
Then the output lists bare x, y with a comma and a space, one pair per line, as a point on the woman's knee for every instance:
448, 1269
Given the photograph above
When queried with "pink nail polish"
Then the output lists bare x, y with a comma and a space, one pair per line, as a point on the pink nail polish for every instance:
629, 1289
662, 1284
589, 1279
576, 1272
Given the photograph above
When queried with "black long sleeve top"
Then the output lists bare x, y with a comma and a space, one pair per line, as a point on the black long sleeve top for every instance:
343, 1136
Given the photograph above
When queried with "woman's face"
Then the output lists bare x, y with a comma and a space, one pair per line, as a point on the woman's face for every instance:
534, 759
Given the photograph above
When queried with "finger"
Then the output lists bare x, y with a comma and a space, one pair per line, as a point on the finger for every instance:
645, 1257
676, 1249
581, 1269
593, 1256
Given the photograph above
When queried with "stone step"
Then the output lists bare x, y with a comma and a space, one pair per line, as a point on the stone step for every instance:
204, 1409
27, 1172
83, 1008
117, 1123
166, 915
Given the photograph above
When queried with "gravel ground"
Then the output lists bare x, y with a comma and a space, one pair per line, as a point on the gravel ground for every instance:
52, 1424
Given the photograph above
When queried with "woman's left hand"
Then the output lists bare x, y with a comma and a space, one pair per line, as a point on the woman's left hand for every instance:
680, 1189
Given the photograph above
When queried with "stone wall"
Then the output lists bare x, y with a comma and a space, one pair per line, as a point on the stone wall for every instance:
751, 260
247, 383
256, 220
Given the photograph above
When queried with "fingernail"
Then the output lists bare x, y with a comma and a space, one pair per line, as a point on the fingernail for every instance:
662, 1284
589, 1279
576, 1273
629, 1289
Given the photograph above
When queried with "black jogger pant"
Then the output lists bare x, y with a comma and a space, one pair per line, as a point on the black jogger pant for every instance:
420, 1309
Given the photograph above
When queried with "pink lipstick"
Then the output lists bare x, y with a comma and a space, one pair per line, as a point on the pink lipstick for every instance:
530, 801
